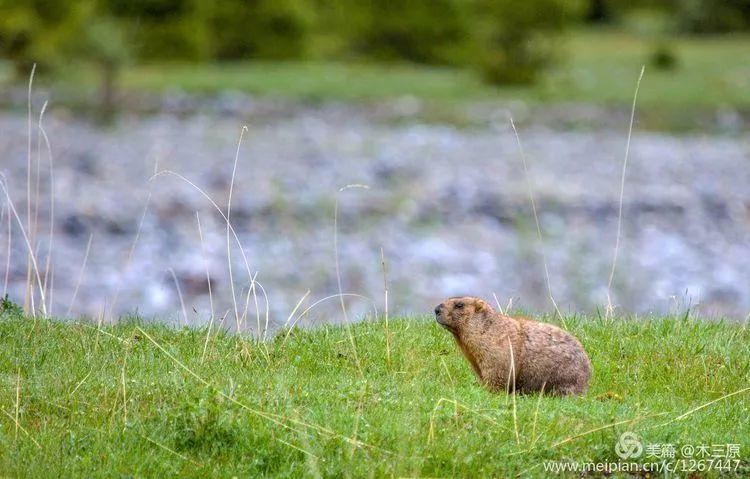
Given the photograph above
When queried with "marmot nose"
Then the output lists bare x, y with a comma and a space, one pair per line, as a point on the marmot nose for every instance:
438, 308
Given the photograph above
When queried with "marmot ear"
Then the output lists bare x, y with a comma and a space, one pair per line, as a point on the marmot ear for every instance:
481, 306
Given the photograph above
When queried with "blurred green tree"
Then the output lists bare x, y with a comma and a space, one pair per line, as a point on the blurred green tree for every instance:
165, 29
271, 29
713, 16
689, 16
105, 46
39, 31
422, 31
56, 34
514, 41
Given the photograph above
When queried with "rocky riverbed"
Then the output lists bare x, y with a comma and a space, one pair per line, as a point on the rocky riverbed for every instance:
448, 206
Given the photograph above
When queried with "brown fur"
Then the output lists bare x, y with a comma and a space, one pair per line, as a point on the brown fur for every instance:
507, 353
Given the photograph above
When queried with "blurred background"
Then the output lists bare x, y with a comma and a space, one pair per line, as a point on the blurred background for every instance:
412, 99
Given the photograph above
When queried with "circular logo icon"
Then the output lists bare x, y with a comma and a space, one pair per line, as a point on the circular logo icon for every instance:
628, 446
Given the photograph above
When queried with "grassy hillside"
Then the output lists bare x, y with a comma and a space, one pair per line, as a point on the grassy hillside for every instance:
146, 400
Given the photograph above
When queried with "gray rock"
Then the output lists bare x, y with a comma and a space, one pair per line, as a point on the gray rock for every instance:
448, 207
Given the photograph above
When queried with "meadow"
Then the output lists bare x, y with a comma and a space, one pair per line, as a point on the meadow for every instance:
379, 398
597, 66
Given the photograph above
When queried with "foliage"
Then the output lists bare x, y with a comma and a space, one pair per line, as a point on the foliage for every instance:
423, 31
508, 35
508, 42
223, 29
712, 16
104, 401
516, 40
9, 308
40, 31
709, 75
663, 56
163, 29
104, 42
689, 16
269, 29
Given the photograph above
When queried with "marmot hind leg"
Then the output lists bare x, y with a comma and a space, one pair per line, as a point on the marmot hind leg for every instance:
567, 390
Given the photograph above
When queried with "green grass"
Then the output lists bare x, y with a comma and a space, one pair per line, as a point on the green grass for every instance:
600, 67
109, 402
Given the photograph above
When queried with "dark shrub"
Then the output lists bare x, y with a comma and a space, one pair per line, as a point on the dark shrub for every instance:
663, 57
423, 31
514, 41
164, 29
38, 32
691, 16
274, 29
713, 16
9, 307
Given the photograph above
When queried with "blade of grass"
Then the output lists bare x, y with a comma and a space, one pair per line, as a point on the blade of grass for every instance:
7, 261
48, 270
512, 376
229, 246
172, 451
80, 275
18, 401
205, 263
338, 272
274, 418
217, 208
23, 430
610, 308
29, 296
536, 220
29, 248
179, 294
385, 304
375, 308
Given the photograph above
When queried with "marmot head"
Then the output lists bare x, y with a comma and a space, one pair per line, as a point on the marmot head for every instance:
455, 313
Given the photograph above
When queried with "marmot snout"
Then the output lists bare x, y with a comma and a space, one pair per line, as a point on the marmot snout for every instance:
510, 352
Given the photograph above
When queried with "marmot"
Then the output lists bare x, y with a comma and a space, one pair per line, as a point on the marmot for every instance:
545, 357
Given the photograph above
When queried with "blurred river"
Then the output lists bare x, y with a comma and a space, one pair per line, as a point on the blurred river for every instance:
447, 205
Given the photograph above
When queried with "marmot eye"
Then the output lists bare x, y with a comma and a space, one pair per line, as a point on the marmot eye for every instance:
459, 305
